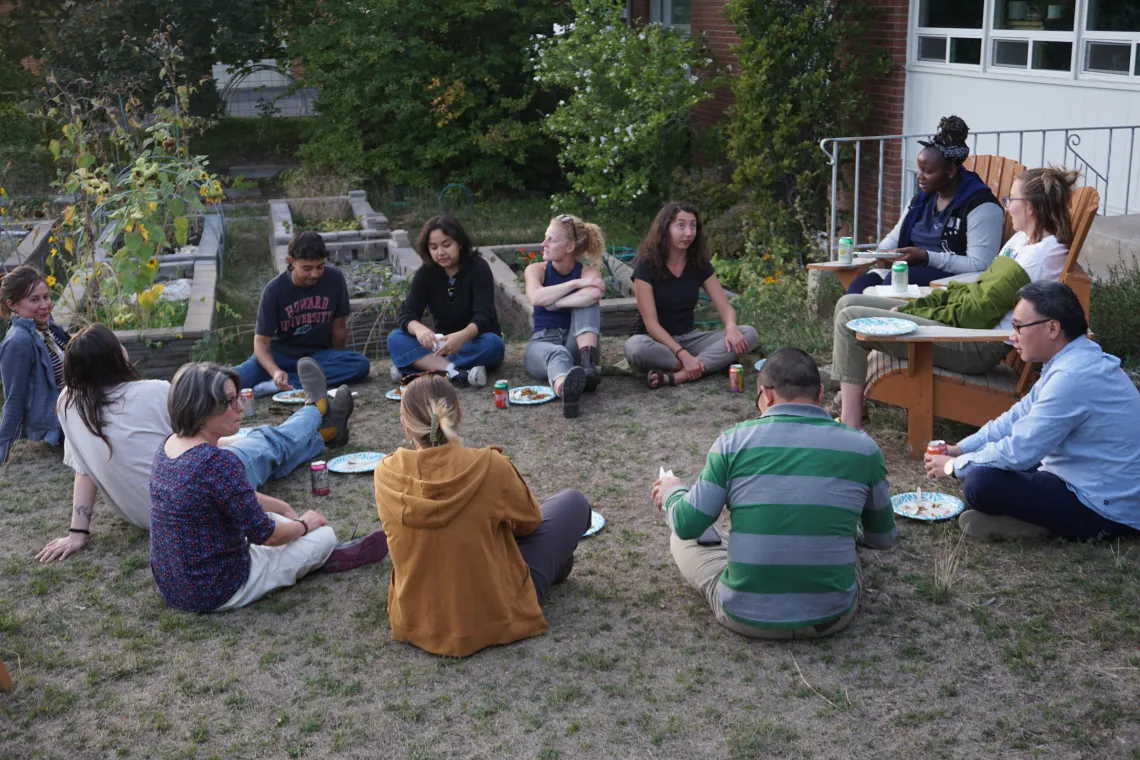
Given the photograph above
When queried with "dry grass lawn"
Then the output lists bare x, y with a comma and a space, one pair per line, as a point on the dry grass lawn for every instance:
1032, 650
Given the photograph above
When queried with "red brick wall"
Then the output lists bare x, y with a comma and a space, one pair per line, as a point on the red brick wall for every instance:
708, 19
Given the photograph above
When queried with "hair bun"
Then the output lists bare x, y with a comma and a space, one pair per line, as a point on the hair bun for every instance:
952, 130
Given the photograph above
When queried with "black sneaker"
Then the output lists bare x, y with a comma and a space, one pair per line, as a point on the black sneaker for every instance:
459, 379
340, 409
572, 387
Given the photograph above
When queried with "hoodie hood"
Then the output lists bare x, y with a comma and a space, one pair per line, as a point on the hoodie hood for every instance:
429, 488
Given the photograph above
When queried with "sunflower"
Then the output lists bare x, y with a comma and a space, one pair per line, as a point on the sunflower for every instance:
153, 206
50, 280
152, 262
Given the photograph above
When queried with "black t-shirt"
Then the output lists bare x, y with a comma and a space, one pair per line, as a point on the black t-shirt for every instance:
472, 298
300, 319
675, 297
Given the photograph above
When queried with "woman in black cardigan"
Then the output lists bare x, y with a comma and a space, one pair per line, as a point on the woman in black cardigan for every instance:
456, 286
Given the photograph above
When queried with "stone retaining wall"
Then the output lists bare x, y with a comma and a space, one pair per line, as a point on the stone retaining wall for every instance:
370, 242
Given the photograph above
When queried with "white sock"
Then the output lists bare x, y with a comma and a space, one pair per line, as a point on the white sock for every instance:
451, 370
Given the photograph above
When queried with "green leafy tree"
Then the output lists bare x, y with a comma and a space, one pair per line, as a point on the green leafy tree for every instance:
623, 125
424, 93
802, 67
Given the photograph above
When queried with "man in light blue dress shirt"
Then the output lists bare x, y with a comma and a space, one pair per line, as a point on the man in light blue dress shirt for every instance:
1065, 459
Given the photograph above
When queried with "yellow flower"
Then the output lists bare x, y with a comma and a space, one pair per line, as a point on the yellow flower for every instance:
203, 175
3, 191
51, 238
153, 206
3, 210
145, 234
767, 257
50, 281
152, 262
129, 227
54, 251
769, 280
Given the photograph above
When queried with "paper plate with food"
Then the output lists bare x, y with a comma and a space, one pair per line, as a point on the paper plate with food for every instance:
531, 394
352, 464
295, 396
395, 394
597, 522
927, 505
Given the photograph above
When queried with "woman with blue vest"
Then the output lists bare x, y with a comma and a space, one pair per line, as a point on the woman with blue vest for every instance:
31, 360
567, 319
953, 225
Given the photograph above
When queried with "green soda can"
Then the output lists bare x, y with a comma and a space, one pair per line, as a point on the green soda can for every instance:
899, 277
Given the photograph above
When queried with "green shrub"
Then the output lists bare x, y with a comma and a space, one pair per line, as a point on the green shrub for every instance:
425, 93
1115, 311
623, 124
779, 311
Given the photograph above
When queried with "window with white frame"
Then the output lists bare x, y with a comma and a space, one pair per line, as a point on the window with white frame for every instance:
1091, 38
671, 13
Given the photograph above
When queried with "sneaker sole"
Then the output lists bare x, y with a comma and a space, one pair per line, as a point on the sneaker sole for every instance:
572, 388
312, 379
340, 409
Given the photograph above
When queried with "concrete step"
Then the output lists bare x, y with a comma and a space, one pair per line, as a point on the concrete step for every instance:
1112, 241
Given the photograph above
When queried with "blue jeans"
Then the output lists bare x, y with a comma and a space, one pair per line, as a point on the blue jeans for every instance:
340, 365
921, 276
269, 453
1040, 498
485, 349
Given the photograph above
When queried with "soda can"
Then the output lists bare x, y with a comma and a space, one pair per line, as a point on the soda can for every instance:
247, 401
319, 474
736, 378
502, 394
936, 448
846, 250
899, 276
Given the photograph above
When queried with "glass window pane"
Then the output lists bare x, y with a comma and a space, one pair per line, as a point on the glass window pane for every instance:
682, 12
1107, 57
1114, 15
932, 49
1042, 15
960, 14
1137, 71
965, 50
1053, 56
1011, 53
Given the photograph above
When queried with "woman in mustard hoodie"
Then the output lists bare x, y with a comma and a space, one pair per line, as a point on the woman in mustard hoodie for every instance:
473, 552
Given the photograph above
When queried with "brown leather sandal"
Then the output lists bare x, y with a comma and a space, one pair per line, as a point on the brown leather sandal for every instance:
661, 377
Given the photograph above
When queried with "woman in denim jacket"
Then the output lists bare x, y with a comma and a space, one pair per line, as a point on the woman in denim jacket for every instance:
31, 360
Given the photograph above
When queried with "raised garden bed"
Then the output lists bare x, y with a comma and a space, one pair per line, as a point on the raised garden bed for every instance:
368, 239
159, 352
619, 308
33, 245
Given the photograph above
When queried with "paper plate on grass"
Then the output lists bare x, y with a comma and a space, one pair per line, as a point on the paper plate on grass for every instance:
927, 505
332, 392
395, 394
597, 522
531, 394
290, 397
353, 464
759, 364
882, 326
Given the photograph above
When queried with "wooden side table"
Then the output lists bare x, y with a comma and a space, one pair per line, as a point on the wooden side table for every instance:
845, 273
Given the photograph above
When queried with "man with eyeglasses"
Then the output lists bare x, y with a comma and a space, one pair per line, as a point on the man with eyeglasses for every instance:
1065, 459
798, 485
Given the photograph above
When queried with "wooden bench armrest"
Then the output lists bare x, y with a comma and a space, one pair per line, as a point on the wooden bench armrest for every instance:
930, 334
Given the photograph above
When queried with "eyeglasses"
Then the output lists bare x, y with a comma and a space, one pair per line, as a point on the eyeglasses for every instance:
235, 402
409, 378
567, 219
450, 289
1005, 201
1018, 328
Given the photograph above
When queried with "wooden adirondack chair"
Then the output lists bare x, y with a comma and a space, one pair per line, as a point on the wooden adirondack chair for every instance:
997, 172
926, 391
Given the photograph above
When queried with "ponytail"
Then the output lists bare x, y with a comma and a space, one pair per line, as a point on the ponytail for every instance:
429, 408
1047, 191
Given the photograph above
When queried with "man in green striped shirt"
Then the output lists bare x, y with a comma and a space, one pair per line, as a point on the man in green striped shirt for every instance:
797, 485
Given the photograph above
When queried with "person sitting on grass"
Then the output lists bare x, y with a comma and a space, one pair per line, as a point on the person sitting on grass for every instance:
303, 312
563, 350
797, 487
1039, 208
671, 268
473, 552
456, 286
114, 422
954, 222
31, 360
215, 543
1065, 459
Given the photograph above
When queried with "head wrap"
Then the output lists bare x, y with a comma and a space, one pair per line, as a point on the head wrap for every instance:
955, 154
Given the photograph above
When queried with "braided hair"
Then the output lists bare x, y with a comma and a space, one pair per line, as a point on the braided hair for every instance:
950, 140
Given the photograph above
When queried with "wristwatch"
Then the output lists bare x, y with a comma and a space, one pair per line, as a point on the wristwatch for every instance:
949, 469
926, 258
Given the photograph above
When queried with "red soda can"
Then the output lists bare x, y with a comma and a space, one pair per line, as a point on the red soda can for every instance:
319, 474
502, 391
736, 378
936, 448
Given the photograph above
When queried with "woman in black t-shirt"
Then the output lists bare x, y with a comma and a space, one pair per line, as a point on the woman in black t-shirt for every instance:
456, 286
672, 266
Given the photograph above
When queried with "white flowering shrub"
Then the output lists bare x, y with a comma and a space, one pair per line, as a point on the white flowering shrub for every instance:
623, 123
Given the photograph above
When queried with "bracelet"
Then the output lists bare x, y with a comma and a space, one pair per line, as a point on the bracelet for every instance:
298, 519
79, 530
677, 353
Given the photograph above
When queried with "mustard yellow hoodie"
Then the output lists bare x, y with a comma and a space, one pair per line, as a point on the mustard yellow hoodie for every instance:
459, 583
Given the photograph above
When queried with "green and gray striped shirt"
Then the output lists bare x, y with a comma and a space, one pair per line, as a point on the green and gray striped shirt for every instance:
796, 484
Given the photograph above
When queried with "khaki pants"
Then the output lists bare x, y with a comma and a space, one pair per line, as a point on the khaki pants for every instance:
644, 353
849, 354
702, 566
274, 567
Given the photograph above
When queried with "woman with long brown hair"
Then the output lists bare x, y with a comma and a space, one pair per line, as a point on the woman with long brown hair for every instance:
672, 267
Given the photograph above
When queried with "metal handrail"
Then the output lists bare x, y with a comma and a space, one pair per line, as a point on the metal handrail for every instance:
1071, 139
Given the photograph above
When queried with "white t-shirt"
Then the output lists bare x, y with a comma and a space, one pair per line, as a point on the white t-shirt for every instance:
1042, 261
137, 424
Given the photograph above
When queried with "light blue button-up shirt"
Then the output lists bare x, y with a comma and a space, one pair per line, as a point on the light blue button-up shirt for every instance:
1080, 422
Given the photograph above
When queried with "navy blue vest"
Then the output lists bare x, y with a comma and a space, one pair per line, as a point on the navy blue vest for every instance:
559, 318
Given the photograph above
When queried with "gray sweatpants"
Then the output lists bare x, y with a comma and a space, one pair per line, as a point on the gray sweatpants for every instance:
849, 354
644, 353
549, 550
552, 352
